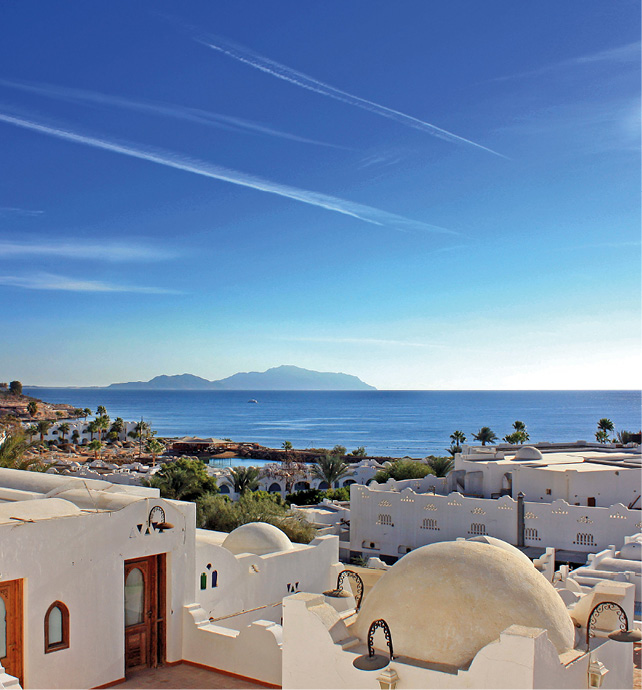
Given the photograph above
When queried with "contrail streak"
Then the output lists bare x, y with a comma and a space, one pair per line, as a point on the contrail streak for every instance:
348, 208
178, 112
276, 69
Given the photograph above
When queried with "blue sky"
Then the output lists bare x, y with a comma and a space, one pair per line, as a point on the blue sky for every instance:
437, 194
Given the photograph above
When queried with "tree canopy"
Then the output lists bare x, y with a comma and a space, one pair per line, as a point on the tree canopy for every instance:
183, 480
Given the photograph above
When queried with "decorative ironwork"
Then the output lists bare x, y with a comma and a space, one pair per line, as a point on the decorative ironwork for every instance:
585, 519
478, 511
379, 623
430, 506
530, 516
358, 582
385, 503
601, 608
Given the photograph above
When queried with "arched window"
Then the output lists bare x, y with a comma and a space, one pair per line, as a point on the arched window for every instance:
56, 627
274, 487
214, 578
348, 482
584, 539
134, 597
323, 486
477, 528
224, 489
429, 523
384, 519
531, 533
203, 580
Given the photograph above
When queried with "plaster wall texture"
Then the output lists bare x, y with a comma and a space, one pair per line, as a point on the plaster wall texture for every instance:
248, 581
565, 475
451, 581
79, 560
319, 652
254, 651
396, 522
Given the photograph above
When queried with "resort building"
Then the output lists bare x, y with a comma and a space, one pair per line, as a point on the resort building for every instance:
117, 575
388, 523
114, 574
580, 474
461, 615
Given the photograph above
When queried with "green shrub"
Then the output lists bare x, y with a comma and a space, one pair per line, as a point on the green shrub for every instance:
403, 469
215, 513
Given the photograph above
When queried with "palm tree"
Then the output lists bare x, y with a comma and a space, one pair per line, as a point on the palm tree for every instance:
330, 468
102, 424
155, 447
183, 480
286, 445
457, 438
85, 413
92, 428
624, 437
440, 466
485, 435
75, 436
95, 445
118, 425
12, 452
43, 427
31, 431
142, 430
605, 424
602, 436
32, 408
245, 479
101, 410
63, 429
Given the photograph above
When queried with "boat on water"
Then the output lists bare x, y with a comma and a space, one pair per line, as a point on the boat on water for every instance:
253, 401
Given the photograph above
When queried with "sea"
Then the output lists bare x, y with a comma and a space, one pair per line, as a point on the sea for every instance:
386, 423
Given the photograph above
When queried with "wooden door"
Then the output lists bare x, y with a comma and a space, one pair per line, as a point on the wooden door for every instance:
145, 612
11, 628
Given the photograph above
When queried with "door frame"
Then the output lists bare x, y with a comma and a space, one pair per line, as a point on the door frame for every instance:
14, 603
156, 600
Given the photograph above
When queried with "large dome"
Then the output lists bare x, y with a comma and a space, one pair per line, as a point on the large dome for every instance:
445, 601
258, 538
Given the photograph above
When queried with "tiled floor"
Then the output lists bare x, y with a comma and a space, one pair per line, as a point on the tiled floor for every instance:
183, 676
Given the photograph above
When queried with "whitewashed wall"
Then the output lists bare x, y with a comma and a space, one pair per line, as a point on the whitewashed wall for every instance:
396, 522
79, 560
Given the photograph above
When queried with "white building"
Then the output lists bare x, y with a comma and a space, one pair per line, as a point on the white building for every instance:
458, 615
623, 565
98, 579
580, 474
78, 429
389, 523
301, 480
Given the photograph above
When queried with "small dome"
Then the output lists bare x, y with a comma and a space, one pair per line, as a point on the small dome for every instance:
258, 538
445, 601
493, 541
528, 453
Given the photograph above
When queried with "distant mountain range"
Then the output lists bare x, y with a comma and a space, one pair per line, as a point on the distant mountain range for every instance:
283, 378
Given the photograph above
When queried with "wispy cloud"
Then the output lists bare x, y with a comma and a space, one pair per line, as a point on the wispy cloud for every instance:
11, 210
82, 249
280, 71
365, 213
203, 117
51, 281
359, 341
629, 53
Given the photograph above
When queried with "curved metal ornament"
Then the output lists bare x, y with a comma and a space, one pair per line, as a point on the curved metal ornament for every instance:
380, 623
601, 608
359, 584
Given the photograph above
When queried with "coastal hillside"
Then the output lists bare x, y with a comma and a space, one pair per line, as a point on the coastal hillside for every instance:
286, 377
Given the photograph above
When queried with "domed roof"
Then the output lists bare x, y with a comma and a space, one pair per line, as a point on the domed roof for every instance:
528, 453
445, 601
493, 541
258, 538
